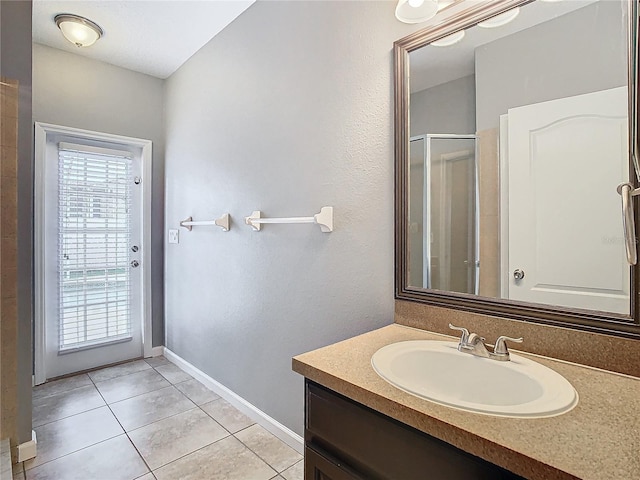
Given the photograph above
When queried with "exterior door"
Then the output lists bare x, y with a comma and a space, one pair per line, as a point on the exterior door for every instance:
92, 253
565, 159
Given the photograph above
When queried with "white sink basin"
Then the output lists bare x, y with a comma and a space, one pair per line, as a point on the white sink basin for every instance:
437, 371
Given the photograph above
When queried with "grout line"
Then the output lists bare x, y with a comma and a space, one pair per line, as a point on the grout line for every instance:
259, 456
71, 453
196, 450
69, 416
124, 430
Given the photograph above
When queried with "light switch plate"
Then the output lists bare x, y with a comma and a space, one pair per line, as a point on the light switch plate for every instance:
174, 236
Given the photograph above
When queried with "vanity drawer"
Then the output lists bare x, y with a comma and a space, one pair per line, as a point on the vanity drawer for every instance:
378, 447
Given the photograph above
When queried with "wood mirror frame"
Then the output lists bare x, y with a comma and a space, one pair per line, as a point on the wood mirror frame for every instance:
601, 322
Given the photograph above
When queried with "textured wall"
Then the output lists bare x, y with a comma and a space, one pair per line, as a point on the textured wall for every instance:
75, 91
15, 64
287, 110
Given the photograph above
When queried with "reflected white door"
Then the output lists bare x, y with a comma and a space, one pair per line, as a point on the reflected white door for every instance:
566, 157
92, 254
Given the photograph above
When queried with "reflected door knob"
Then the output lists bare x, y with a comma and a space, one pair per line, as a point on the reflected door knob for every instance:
134, 264
518, 274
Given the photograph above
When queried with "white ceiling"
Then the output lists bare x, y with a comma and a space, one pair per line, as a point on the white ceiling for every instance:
149, 36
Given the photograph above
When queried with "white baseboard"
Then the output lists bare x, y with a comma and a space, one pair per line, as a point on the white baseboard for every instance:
285, 434
28, 450
157, 351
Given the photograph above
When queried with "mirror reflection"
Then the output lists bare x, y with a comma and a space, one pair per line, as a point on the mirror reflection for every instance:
518, 140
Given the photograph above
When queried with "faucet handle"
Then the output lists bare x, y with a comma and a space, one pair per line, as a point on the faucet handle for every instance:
500, 348
464, 339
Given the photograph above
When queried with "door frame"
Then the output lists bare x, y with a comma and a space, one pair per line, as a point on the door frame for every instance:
42, 133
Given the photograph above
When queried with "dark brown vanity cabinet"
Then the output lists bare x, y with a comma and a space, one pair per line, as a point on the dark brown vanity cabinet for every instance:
345, 440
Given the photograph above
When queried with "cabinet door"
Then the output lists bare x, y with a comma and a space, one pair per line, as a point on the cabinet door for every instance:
318, 467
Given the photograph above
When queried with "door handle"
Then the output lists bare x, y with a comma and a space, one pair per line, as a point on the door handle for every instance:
135, 264
626, 191
518, 274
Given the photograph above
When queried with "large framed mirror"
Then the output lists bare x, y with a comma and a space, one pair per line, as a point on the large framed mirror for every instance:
515, 123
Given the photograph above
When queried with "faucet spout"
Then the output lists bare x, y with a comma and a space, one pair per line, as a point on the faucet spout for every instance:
474, 344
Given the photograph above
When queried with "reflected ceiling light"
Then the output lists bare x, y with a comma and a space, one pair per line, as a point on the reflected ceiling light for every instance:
416, 11
444, 3
500, 20
80, 31
449, 39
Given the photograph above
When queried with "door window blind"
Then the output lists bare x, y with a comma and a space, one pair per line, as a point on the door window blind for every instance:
94, 205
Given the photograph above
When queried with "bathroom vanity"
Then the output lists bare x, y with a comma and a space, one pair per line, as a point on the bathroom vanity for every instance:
346, 440
359, 426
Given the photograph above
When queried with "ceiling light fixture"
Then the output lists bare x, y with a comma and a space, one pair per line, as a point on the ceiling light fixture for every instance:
449, 39
416, 11
80, 31
500, 20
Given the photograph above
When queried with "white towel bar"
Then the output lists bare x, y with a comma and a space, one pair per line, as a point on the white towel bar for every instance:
324, 219
222, 222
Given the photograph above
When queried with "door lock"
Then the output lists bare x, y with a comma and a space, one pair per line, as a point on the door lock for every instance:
134, 248
135, 264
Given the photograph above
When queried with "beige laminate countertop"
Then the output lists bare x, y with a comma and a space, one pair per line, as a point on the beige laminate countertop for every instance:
598, 440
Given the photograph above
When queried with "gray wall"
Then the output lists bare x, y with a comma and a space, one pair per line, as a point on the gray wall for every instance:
577, 53
287, 110
15, 62
446, 108
75, 91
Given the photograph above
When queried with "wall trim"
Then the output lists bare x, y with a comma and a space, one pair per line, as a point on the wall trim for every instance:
285, 434
155, 352
28, 450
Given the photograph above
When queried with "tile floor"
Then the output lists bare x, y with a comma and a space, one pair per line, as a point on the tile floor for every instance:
147, 420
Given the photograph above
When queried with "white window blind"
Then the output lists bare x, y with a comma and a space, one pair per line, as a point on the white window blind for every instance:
94, 205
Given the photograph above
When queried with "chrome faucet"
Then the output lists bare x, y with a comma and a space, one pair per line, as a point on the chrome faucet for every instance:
474, 344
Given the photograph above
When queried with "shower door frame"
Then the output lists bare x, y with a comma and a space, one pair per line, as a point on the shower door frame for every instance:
426, 207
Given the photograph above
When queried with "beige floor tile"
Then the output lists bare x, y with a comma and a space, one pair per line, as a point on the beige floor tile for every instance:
55, 407
197, 392
150, 407
114, 459
74, 433
118, 370
227, 415
148, 476
268, 447
156, 361
295, 472
60, 386
128, 386
167, 440
18, 476
173, 373
227, 459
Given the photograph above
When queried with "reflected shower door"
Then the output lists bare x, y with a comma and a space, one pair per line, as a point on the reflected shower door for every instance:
443, 213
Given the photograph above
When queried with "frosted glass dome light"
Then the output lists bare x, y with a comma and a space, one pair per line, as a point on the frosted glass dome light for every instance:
500, 20
449, 39
416, 11
80, 31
